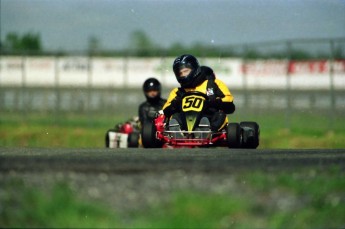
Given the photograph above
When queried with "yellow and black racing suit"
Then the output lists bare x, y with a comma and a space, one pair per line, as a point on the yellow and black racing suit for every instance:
220, 99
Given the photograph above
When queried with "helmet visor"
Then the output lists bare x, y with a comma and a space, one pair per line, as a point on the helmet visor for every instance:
184, 72
152, 93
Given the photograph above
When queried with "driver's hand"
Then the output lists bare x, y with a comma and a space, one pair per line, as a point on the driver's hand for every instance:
159, 113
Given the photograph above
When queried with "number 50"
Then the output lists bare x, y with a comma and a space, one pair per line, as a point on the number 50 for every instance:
192, 103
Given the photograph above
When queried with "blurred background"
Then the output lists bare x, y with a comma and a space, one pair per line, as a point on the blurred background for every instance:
70, 70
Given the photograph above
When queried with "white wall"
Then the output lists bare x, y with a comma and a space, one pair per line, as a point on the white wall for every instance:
81, 71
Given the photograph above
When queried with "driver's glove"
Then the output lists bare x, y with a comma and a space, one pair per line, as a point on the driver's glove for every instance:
159, 113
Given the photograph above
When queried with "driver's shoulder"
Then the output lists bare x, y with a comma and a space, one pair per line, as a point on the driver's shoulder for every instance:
174, 90
144, 104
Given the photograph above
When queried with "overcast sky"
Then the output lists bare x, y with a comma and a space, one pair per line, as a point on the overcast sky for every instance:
68, 24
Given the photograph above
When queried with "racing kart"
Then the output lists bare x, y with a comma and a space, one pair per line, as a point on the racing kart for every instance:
162, 133
124, 135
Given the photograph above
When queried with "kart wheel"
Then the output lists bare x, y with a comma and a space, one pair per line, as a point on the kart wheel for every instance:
233, 135
149, 136
107, 138
133, 140
251, 135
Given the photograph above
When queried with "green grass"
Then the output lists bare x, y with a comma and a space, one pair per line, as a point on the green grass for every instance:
29, 207
68, 131
318, 197
307, 198
303, 130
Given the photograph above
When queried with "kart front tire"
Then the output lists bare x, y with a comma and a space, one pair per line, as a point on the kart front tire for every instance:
149, 136
233, 133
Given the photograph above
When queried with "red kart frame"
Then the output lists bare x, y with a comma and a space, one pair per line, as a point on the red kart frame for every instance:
170, 139
234, 135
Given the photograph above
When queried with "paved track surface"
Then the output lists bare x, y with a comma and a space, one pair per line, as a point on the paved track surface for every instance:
134, 179
159, 160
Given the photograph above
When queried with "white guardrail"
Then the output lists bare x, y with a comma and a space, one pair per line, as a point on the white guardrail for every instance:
131, 72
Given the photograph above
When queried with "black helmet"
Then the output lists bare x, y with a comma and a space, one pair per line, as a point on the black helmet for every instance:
152, 84
186, 61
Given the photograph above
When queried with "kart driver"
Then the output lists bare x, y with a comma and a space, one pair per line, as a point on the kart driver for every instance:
195, 78
153, 103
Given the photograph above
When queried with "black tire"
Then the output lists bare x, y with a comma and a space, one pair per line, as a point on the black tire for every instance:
133, 140
251, 135
148, 136
107, 138
233, 135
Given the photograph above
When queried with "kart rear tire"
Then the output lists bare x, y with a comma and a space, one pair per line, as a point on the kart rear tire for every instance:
107, 141
133, 140
251, 135
148, 136
233, 135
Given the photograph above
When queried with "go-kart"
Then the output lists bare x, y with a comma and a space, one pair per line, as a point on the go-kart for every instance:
195, 132
124, 135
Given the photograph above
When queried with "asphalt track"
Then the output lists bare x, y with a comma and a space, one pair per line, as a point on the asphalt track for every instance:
127, 180
122, 161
